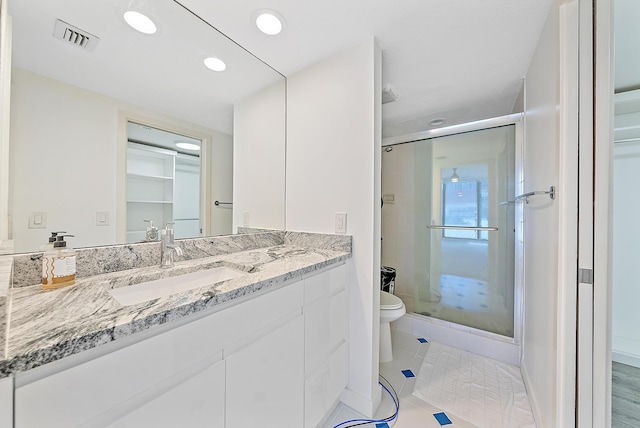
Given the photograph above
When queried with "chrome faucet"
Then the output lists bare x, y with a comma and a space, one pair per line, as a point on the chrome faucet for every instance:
168, 247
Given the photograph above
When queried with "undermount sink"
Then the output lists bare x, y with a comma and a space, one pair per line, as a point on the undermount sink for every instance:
146, 291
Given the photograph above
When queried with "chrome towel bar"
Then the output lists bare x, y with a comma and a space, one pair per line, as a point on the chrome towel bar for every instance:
438, 226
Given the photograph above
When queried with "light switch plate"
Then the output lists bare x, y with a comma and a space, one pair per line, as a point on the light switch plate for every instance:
38, 220
245, 219
341, 223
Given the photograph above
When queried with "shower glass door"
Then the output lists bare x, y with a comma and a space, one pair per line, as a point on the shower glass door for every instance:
449, 229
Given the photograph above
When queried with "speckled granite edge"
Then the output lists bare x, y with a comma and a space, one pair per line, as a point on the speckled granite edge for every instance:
4, 310
27, 268
86, 317
6, 263
319, 240
242, 230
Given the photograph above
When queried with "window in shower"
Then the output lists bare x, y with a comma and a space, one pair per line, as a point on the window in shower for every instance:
452, 242
464, 203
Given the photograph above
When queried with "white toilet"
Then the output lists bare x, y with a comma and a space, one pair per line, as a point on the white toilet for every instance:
391, 308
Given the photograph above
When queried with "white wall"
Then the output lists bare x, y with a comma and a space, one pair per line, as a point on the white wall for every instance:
626, 247
5, 97
63, 159
259, 159
221, 160
626, 229
333, 165
542, 94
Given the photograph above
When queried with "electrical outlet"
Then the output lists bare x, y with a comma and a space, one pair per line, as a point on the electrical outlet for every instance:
341, 223
245, 219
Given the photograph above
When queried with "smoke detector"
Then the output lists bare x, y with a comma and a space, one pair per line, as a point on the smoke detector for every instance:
75, 36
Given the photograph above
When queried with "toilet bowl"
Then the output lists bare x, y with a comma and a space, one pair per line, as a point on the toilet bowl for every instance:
391, 308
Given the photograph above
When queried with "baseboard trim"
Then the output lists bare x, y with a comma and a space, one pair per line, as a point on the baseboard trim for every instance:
535, 408
361, 404
624, 358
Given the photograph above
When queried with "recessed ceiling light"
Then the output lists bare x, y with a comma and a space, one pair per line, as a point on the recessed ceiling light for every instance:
187, 146
437, 122
269, 22
140, 22
215, 64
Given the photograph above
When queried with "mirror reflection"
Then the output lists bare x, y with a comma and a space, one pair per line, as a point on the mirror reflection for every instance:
90, 95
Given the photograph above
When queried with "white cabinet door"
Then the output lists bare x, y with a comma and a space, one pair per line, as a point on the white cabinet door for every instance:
81, 393
265, 380
323, 387
6, 402
197, 402
326, 329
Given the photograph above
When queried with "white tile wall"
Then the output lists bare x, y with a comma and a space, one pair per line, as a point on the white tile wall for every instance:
478, 342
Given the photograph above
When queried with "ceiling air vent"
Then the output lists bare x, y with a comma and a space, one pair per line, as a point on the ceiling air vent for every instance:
74, 35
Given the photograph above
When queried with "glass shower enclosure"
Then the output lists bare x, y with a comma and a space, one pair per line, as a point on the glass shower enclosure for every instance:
448, 226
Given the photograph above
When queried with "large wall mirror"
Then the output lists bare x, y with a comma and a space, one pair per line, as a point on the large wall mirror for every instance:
89, 94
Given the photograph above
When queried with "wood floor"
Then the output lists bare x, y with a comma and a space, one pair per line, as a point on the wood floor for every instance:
625, 402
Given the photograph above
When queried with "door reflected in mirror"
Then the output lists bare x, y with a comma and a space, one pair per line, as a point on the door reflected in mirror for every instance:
163, 183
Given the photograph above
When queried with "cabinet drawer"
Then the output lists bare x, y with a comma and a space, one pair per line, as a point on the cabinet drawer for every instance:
322, 389
338, 279
316, 287
75, 395
197, 402
338, 319
264, 380
326, 326
325, 283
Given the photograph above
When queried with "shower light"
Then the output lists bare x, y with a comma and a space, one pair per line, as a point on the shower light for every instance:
140, 22
188, 146
454, 177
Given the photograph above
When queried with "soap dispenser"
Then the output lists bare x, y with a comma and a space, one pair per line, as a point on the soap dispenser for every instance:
52, 239
59, 265
152, 231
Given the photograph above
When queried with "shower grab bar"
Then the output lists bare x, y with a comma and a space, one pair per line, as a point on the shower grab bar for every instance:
551, 192
216, 203
438, 226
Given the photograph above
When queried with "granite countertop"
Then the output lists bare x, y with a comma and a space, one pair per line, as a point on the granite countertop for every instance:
44, 326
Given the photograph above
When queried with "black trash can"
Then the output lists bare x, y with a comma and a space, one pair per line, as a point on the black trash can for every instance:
387, 279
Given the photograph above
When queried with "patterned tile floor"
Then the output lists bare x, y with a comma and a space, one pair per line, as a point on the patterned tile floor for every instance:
408, 355
466, 301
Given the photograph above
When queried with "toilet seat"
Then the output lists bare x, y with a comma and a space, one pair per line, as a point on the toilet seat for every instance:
391, 309
389, 301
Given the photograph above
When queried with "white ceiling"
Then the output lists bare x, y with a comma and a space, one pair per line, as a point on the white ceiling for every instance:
163, 72
462, 60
